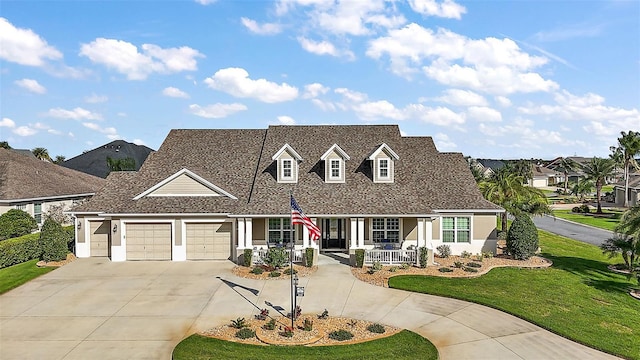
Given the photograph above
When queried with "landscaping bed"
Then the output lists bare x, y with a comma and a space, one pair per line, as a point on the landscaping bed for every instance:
70, 257
246, 272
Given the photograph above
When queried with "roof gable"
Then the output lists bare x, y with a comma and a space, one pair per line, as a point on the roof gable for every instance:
289, 150
184, 183
338, 150
384, 147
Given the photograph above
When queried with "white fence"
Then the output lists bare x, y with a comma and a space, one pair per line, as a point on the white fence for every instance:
259, 255
390, 257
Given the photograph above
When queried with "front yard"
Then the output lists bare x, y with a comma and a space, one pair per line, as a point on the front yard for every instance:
16, 275
578, 297
608, 222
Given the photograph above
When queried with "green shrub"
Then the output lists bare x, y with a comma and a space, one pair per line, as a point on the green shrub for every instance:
340, 335
287, 271
71, 233
376, 328
247, 256
405, 266
522, 239
487, 254
53, 241
245, 333
465, 254
275, 274
474, 264
575, 209
239, 323
15, 223
287, 332
307, 325
393, 269
276, 257
270, 325
324, 315
308, 256
257, 270
423, 254
458, 264
470, 269
584, 208
444, 251
18, 250
377, 266
359, 258
445, 269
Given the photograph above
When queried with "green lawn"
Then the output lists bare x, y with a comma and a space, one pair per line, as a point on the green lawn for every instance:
16, 275
599, 222
404, 345
578, 297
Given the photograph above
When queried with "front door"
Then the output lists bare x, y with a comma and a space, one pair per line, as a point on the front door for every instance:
333, 234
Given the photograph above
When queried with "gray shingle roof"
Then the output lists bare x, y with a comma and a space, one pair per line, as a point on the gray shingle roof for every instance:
240, 162
94, 162
25, 177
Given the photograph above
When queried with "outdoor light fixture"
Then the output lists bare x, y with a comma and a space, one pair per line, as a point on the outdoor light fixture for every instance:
79, 225
115, 227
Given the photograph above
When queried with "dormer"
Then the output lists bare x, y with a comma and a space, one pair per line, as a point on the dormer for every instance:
383, 159
334, 164
287, 161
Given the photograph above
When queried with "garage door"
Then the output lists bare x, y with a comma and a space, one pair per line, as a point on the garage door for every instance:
148, 241
208, 241
99, 237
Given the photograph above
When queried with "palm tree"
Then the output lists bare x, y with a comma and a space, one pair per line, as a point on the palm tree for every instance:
59, 159
567, 165
581, 188
4, 145
41, 153
627, 239
626, 151
598, 170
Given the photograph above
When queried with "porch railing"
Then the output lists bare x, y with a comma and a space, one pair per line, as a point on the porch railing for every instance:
260, 254
390, 257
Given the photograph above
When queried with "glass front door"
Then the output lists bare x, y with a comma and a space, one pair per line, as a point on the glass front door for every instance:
334, 234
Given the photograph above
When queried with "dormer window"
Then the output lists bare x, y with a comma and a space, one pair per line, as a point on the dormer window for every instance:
334, 164
287, 161
383, 159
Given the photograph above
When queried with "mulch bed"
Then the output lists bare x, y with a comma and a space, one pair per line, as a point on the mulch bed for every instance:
245, 272
70, 257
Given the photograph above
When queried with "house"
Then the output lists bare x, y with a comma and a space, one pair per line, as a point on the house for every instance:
487, 167
634, 190
37, 186
211, 194
94, 162
544, 177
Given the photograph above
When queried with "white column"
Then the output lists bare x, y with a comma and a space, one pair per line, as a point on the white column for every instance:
421, 238
428, 232
248, 233
241, 237
353, 239
361, 233
316, 244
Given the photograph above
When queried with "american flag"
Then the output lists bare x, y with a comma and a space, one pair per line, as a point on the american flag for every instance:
298, 217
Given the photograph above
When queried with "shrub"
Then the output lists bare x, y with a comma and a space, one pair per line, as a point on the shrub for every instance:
247, 256
502, 235
263, 314
239, 323
487, 254
444, 251
575, 209
324, 315
405, 266
298, 312
18, 250
376, 328
340, 335
470, 269
458, 264
276, 257
287, 332
53, 241
377, 266
270, 325
274, 274
465, 254
257, 270
71, 237
393, 269
245, 333
422, 256
287, 271
16, 223
445, 269
308, 256
359, 258
584, 208
522, 239
473, 264
307, 325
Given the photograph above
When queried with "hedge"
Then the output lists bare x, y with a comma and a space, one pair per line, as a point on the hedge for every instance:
20, 249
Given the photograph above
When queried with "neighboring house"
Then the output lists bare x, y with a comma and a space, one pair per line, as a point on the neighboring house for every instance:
544, 177
36, 186
634, 190
210, 194
488, 167
94, 162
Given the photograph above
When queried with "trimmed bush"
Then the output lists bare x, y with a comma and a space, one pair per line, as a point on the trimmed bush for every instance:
275, 274
71, 237
470, 269
522, 238
276, 257
445, 269
465, 254
15, 223
257, 270
308, 256
53, 241
376, 328
444, 251
458, 264
584, 208
18, 250
423, 254
474, 264
308, 325
270, 325
245, 333
287, 271
340, 335
247, 256
359, 258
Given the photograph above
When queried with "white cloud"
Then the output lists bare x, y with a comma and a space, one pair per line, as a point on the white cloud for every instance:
6, 122
324, 105
570, 32
139, 142
24, 47
24, 131
54, 131
205, 2
459, 97
314, 90
216, 111
503, 101
324, 48
95, 99
446, 8
378, 109
286, 120
264, 29
125, 58
31, 85
75, 114
174, 92
484, 114
443, 142
110, 132
236, 81
440, 116
350, 95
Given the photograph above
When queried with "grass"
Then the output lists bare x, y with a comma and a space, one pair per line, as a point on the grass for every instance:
13, 276
403, 345
578, 297
599, 222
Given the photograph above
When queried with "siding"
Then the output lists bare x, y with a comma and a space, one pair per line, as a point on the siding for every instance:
183, 185
484, 227
327, 168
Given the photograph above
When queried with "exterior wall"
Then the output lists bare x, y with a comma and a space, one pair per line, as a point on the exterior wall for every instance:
410, 229
47, 206
435, 227
484, 227
539, 182
383, 155
183, 185
483, 235
259, 230
634, 196
294, 168
327, 168
619, 196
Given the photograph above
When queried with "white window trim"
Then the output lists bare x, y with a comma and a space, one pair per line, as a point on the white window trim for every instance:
400, 229
292, 177
339, 161
455, 228
379, 169
282, 229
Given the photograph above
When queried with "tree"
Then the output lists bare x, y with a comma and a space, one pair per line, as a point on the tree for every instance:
582, 188
567, 165
125, 164
59, 159
506, 189
627, 239
16, 223
4, 145
625, 153
598, 170
522, 168
522, 238
53, 241
41, 153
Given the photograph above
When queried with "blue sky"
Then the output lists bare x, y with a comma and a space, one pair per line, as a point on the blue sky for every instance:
490, 79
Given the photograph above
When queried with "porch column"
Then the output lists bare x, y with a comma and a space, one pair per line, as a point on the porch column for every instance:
353, 239
421, 238
305, 237
313, 244
248, 233
241, 233
361, 233
428, 232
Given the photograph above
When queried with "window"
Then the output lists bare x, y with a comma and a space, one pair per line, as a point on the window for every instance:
287, 169
383, 168
456, 229
37, 212
22, 207
386, 230
280, 230
335, 169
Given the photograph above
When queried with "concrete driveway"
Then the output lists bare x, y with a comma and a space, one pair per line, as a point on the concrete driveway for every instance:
97, 309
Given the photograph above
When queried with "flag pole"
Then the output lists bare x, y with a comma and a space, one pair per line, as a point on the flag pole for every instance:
292, 243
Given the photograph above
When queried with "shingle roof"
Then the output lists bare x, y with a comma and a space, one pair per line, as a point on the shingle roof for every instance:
240, 162
25, 177
94, 162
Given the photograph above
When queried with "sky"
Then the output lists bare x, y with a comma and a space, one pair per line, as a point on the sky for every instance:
490, 79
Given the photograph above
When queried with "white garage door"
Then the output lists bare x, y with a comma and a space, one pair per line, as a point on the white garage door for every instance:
148, 241
99, 237
208, 241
